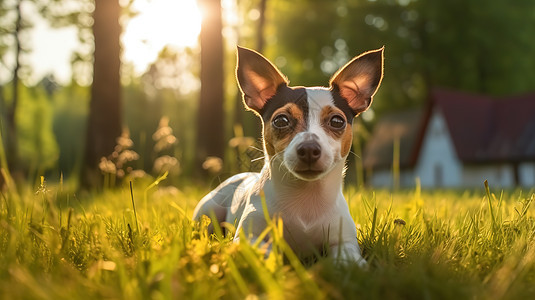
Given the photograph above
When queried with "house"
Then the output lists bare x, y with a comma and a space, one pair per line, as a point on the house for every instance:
458, 140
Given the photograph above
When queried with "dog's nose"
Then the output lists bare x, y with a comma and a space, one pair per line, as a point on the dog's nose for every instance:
309, 152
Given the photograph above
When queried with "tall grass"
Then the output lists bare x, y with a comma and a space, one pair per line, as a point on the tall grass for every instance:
419, 244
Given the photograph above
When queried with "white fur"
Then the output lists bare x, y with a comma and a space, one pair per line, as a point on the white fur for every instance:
314, 211
318, 97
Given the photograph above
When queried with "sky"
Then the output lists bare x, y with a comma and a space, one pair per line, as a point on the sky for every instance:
51, 50
159, 23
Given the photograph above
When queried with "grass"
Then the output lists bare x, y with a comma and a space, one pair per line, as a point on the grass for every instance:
419, 244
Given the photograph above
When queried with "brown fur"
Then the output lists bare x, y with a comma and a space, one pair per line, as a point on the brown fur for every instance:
276, 139
347, 139
345, 134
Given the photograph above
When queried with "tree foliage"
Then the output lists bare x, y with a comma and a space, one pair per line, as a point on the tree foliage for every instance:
473, 45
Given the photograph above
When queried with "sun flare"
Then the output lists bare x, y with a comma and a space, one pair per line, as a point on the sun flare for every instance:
159, 23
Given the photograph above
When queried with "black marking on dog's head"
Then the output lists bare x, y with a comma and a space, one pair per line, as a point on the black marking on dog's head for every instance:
341, 103
358, 81
284, 95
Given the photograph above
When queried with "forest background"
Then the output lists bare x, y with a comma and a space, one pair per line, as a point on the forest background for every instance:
180, 112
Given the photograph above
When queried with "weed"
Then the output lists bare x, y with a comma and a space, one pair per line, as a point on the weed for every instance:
419, 244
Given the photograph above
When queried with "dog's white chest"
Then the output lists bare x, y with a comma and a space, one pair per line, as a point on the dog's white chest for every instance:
307, 137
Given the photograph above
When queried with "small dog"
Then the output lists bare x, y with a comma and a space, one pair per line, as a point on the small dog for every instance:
307, 137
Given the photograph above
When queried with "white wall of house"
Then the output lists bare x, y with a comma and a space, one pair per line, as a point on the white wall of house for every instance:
438, 164
526, 172
497, 175
381, 178
384, 178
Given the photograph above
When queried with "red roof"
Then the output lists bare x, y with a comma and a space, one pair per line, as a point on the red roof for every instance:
483, 129
404, 126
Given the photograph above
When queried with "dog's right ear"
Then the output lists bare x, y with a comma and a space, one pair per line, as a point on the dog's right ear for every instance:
257, 77
359, 79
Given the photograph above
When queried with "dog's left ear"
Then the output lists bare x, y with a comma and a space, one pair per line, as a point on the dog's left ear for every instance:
258, 78
359, 79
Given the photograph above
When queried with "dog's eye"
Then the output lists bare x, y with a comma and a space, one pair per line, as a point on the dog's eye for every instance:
281, 121
337, 122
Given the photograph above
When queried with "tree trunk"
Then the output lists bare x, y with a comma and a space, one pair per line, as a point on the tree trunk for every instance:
104, 123
3, 140
11, 112
210, 126
252, 126
260, 26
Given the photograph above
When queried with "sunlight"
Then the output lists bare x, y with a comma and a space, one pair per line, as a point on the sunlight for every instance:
159, 23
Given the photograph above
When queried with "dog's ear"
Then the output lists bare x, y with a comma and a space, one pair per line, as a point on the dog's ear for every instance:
359, 79
257, 77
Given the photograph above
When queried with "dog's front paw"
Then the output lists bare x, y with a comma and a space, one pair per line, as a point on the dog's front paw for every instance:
347, 254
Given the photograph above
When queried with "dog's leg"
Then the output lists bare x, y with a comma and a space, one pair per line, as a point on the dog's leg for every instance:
348, 252
211, 206
252, 224
217, 202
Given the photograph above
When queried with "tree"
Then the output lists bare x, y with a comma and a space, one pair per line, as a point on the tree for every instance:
210, 127
11, 111
79, 14
486, 48
260, 26
15, 24
104, 123
250, 124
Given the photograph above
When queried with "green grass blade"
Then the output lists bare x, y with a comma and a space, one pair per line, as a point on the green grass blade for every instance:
491, 209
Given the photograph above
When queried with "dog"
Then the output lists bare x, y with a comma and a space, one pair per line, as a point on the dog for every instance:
307, 136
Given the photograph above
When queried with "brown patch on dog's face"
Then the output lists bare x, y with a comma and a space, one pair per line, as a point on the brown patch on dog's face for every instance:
347, 139
335, 123
282, 127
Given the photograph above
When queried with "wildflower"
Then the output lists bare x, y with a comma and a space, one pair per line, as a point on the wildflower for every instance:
126, 156
42, 188
107, 166
137, 174
165, 143
124, 141
166, 163
167, 191
163, 129
163, 136
213, 164
241, 142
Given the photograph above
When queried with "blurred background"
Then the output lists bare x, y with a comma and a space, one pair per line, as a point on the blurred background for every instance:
99, 92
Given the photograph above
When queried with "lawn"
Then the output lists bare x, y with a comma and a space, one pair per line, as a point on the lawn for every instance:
419, 244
